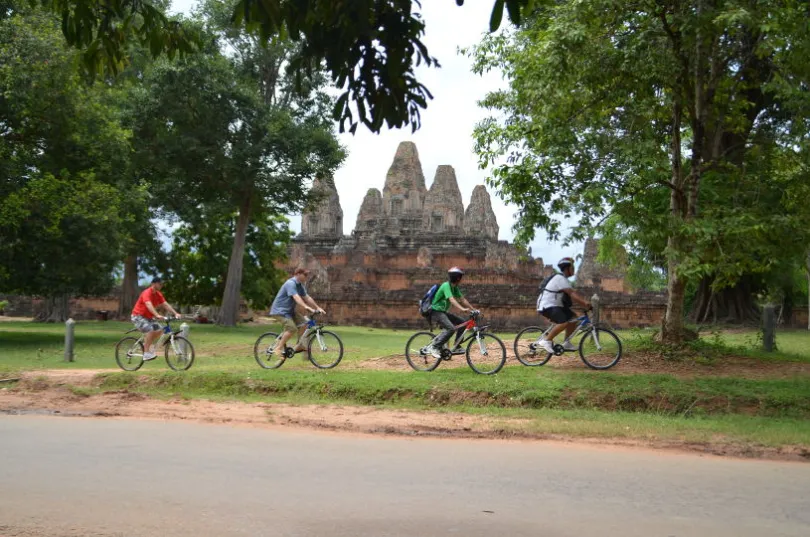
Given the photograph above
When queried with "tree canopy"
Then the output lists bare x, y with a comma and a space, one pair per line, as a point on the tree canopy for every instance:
685, 121
370, 47
233, 136
61, 148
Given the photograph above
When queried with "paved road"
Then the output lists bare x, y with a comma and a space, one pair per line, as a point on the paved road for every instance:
89, 477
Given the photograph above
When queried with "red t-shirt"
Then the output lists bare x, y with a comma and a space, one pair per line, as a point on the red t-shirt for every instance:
149, 295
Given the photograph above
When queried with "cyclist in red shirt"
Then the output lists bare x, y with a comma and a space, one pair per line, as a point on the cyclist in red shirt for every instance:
145, 312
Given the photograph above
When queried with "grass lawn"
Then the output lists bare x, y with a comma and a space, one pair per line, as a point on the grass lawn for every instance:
41, 346
762, 409
30, 345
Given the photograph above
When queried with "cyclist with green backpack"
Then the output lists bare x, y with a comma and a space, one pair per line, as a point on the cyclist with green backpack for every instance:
446, 295
555, 301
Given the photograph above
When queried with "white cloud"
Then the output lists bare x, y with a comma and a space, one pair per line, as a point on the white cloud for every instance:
447, 124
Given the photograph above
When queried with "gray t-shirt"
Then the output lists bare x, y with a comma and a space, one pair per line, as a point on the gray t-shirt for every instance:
284, 304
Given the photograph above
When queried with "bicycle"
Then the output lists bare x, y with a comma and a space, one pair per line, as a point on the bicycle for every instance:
324, 348
178, 351
486, 353
599, 347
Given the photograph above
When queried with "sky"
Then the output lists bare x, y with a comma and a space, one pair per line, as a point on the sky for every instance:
445, 136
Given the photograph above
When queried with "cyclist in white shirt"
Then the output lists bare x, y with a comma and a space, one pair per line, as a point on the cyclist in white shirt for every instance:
555, 304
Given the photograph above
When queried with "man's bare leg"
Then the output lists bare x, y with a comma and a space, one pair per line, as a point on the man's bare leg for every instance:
150, 339
300, 347
285, 337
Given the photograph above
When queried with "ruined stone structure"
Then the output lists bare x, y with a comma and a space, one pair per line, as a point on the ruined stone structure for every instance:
325, 219
407, 236
591, 273
404, 240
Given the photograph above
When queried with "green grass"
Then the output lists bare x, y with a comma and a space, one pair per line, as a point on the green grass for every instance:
765, 411
41, 346
515, 388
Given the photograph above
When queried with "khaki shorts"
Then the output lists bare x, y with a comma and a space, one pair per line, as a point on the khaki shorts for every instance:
289, 324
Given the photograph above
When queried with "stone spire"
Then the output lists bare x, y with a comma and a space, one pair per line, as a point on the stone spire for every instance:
404, 191
324, 218
444, 210
593, 273
371, 212
479, 219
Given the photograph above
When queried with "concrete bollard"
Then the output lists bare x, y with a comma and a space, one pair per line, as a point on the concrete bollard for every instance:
69, 340
595, 303
184, 329
769, 327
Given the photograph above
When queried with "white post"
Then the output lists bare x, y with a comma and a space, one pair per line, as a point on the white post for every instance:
69, 341
184, 328
595, 304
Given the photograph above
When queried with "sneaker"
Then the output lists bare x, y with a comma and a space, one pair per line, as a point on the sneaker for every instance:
568, 346
149, 356
546, 345
433, 351
457, 350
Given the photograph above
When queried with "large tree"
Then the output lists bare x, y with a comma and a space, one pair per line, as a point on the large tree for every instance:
61, 148
370, 47
688, 119
234, 134
200, 255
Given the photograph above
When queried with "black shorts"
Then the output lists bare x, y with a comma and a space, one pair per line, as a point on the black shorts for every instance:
558, 314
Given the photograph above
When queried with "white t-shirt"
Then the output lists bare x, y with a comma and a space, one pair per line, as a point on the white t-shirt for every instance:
551, 300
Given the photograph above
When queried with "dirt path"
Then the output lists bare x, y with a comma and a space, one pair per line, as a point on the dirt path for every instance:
63, 393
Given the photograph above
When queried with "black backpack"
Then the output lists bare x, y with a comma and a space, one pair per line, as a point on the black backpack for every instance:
426, 304
566, 299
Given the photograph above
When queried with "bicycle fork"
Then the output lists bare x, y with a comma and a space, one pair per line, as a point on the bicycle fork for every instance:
481, 347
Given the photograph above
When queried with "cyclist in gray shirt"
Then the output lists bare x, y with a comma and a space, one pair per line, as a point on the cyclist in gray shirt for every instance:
293, 293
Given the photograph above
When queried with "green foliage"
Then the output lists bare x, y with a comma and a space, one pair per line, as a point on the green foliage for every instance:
59, 236
237, 133
105, 31
683, 121
618, 249
370, 48
198, 261
61, 150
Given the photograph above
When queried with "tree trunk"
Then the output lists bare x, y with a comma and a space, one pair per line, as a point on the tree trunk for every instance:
129, 287
56, 309
672, 328
733, 305
229, 313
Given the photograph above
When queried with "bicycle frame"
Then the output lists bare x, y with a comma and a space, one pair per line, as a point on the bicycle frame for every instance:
584, 328
471, 326
312, 326
162, 340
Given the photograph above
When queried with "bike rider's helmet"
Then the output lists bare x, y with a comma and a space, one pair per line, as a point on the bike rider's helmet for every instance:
565, 262
455, 274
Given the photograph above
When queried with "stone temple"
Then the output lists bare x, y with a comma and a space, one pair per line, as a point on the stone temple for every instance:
404, 240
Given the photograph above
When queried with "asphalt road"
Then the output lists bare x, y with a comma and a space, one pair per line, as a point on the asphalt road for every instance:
74, 476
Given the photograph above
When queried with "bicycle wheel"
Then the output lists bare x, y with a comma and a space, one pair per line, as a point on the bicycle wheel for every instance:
266, 353
600, 348
527, 351
179, 353
486, 354
129, 354
324, 349
416, 355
